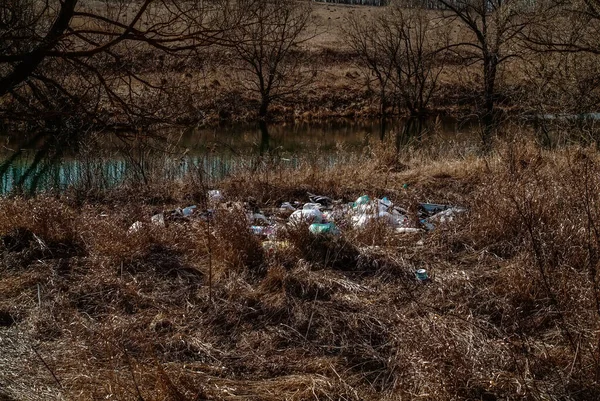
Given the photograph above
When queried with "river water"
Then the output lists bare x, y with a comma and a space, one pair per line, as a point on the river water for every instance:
105, 161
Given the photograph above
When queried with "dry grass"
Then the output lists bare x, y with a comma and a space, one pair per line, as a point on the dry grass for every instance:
511, 311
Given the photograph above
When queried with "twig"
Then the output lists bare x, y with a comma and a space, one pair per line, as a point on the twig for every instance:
312, 312
131, 370
48, 367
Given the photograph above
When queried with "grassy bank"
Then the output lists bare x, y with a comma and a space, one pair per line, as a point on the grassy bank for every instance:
210, 85
198, 310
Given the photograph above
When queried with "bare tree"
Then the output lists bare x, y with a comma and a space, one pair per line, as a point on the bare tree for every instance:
489, 35
568, 27
403, 49
66, 58
419, 59
365, 40
565, 70
267, 48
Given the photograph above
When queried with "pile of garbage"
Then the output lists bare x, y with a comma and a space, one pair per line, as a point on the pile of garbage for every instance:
322, 214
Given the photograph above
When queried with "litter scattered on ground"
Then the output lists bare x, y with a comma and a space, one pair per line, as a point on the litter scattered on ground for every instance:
382, 210
158, 219
214, 195
447, 215
287, 206
323, 228
257, 218
266, 231
188, 211
135, 227
408, 230
273, 246
306, 216
422, 275
324, 201
161, 219
321, 214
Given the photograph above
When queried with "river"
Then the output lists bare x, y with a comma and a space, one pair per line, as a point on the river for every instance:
103, 161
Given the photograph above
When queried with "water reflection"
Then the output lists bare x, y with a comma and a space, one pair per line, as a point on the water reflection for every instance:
265, 138
209, 153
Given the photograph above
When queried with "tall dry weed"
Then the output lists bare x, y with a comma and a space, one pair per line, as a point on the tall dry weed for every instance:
235, 245
510, 310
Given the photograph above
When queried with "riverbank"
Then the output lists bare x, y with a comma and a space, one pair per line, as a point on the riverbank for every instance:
215, 88
198, 310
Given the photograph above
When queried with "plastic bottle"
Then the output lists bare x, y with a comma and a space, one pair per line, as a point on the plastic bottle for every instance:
323, 228
363, 200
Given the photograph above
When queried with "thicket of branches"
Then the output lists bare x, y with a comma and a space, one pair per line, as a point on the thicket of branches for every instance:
67, 65
529, 56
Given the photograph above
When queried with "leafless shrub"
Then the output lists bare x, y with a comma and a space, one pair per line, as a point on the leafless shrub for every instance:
267, 47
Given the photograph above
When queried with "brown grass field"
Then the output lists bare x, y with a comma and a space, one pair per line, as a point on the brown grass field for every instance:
198, 311
203, 309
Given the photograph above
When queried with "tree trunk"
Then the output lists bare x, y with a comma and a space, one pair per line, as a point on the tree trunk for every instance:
382, 127
264, 109
382, 103
265, 138
490, 67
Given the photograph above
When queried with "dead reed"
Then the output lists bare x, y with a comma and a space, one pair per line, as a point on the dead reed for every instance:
511, 310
